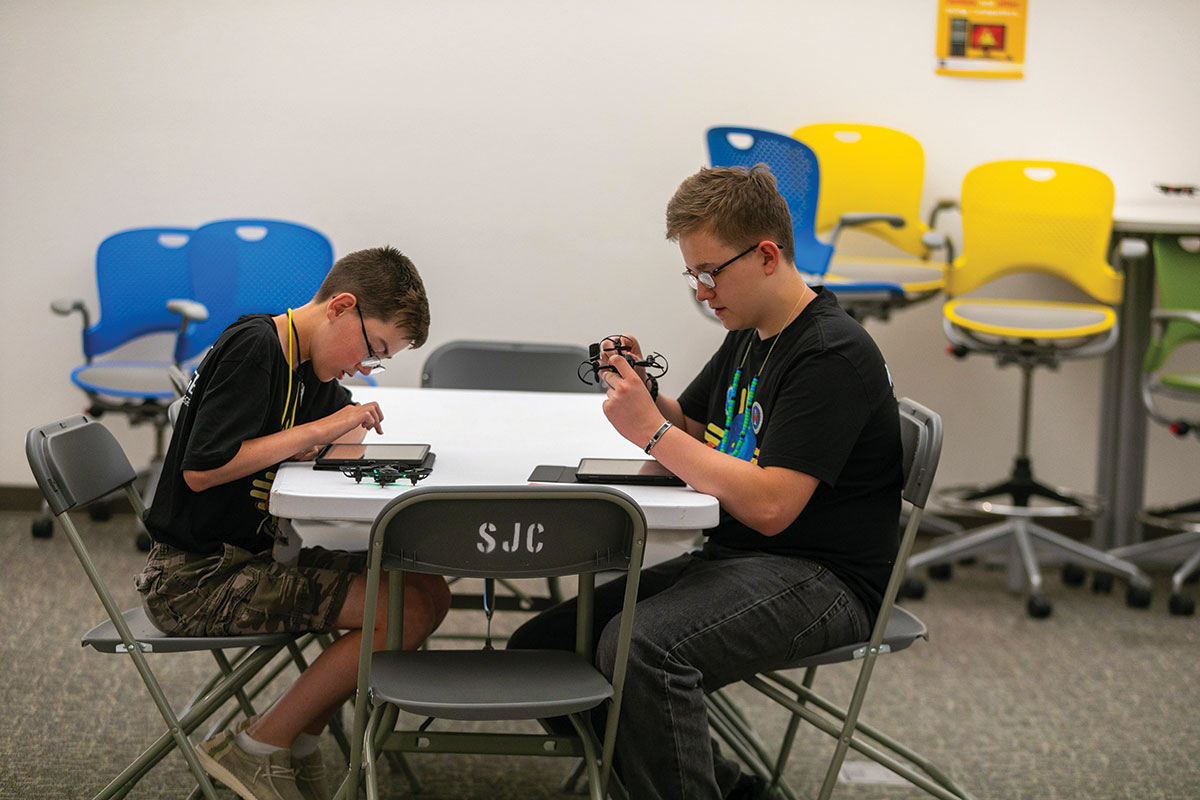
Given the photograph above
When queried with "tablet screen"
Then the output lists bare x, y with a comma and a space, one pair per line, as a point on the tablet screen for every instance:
624, 470
396, 453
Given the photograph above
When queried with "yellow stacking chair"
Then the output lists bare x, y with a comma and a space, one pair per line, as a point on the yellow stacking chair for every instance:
1051, 218
871, 181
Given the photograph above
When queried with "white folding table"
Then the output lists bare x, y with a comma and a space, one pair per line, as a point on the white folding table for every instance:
486, 438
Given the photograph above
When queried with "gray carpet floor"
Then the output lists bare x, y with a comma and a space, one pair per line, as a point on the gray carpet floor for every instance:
1098, 701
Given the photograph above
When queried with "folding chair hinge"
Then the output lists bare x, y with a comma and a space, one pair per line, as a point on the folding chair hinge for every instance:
124, 648
862, 651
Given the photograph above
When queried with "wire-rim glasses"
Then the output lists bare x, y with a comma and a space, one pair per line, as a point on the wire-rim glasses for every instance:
707, 279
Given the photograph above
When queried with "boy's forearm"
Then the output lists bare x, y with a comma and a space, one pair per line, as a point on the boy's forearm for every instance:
256, 455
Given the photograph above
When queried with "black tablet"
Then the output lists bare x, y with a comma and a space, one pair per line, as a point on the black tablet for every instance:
338, 455
625, 470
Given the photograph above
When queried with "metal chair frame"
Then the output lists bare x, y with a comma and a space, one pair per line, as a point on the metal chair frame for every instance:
894, 630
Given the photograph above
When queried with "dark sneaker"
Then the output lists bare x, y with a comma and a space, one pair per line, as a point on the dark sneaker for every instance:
748, 787
253, 777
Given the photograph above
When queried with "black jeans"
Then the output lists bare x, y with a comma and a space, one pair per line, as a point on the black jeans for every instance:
704, 620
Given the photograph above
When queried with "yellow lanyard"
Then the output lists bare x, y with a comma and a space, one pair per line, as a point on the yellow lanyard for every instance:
287, 421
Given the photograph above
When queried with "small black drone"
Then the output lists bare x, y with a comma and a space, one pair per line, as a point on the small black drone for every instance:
589, 370
385, 474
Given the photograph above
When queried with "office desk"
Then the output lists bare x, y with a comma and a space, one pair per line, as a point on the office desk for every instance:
1122, 457
485, 437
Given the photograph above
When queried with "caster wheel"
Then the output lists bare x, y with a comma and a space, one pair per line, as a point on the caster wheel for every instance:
941, 572
1073, 575
143, 542
42, 528
100, 512
1181, 605
1038, 606
1137, 597
1102, 583
912, 588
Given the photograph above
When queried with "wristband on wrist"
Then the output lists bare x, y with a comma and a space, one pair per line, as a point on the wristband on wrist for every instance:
658, 434
652, 385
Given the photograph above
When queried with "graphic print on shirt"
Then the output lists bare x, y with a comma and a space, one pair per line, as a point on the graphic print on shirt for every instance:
748, 451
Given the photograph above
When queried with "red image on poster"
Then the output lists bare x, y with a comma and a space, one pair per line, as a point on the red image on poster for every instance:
987, 37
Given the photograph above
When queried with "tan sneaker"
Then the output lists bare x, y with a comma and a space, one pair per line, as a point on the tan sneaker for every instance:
311, 779
310, 776
253, 777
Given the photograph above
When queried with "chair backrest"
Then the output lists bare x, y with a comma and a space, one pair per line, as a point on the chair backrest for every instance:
517, 366
797, 173
1177, 271
869, 168
921, 437
510, 531
137, 272
75, 461
250, 266
1049, 217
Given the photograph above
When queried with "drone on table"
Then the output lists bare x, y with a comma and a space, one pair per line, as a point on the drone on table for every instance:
385, 474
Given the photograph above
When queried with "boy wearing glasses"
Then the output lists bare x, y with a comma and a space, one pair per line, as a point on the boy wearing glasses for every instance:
794, 427
268, 392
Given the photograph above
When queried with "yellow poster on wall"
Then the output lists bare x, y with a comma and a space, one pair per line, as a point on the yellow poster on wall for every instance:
981, 38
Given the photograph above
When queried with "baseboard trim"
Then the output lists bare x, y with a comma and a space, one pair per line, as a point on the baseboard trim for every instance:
20, 498
29, 498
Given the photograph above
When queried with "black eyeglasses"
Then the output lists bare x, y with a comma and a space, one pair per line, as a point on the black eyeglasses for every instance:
697, 279
372, 362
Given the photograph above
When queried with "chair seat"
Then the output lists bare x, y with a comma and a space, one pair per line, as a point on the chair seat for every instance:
147, 380
912, 275
902, 630
1037, 320
104, 637
1182, 382
487, 684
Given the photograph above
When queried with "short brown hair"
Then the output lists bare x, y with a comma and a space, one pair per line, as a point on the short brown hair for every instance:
387, 287
735, 204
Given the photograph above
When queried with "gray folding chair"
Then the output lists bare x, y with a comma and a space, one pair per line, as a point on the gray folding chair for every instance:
524, 532
512, 366
895, 629
507, 366
76, 460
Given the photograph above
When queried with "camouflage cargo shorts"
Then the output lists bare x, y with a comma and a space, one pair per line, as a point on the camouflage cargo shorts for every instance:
234, 592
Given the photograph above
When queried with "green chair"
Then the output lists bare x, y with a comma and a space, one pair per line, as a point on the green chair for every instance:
1173, 399
507, 531
895, 629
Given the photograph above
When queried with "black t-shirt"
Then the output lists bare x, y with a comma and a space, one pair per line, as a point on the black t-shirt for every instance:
824, 406
243, 389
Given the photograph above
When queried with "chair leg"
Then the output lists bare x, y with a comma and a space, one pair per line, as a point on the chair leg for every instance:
1185, 571
591, 758
933, 780
969, 543
1086, 554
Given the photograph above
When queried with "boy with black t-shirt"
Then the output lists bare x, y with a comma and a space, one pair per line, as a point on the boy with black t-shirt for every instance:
793, 426
268, 392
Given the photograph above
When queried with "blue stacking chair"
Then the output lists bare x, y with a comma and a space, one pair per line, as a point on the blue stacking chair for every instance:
141, 275
250, 266
797, 174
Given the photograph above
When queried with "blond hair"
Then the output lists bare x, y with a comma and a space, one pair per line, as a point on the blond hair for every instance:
737, 205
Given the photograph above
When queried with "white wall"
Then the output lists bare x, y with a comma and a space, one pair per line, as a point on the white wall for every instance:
522, 154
